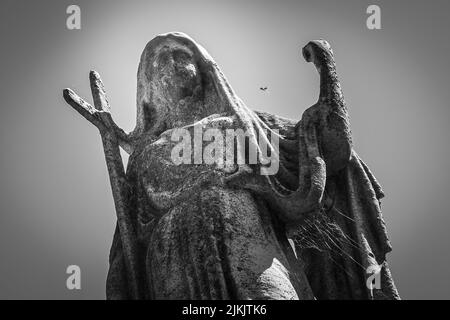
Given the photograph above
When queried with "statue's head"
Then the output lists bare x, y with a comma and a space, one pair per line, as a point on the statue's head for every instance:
318, 52
175, 78
174, 71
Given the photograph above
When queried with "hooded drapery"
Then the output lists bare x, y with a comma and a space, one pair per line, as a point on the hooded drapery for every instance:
342, 272
199, 238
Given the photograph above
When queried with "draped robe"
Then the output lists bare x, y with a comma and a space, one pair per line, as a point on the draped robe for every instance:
199, 238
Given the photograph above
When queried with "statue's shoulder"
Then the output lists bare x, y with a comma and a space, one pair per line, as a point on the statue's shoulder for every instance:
150, 147
285, 126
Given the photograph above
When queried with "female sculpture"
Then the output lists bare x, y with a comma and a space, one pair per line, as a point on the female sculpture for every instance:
206, 231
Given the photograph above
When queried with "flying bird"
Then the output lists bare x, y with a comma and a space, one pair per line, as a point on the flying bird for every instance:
263, 88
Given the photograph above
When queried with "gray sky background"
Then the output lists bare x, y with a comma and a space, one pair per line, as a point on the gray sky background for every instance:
56, 206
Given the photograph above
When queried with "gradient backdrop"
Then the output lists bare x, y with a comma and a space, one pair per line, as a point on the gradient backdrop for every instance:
56, 207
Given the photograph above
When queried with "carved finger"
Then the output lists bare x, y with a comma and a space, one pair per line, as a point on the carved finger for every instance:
312, 170
317, 165
312, 143
303, 162
318, 180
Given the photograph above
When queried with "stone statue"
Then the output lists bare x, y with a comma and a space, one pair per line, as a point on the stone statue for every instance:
196, 229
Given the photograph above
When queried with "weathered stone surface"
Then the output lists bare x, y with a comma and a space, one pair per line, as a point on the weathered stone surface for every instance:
205, 231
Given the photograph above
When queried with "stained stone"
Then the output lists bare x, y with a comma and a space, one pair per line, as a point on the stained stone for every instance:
205, 231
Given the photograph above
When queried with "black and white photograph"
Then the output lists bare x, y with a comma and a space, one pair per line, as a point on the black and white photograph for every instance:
205, 150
